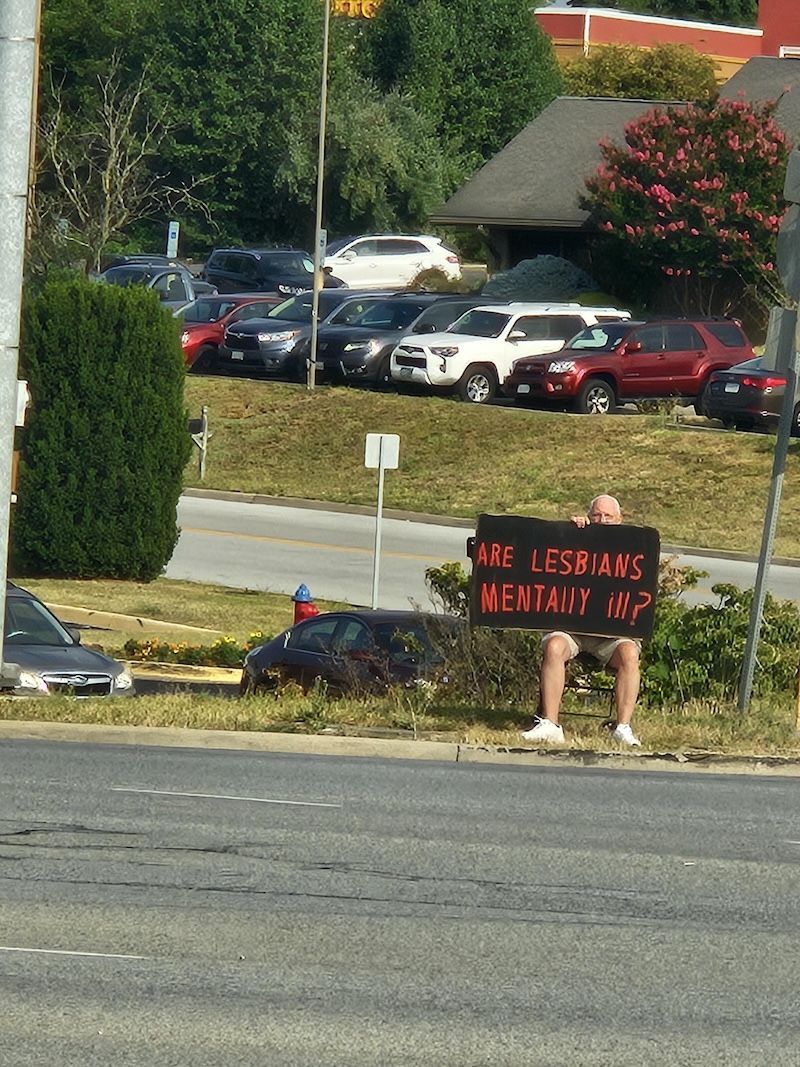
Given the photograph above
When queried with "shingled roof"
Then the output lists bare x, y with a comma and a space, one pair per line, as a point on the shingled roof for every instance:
764, 79
538, 178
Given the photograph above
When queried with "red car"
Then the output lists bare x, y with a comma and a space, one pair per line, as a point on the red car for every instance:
204, 323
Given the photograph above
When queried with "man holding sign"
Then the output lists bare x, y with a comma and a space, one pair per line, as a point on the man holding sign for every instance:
589, 585
620, 654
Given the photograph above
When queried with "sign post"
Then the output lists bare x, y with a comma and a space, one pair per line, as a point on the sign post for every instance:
172, 238
784, 347
382, 451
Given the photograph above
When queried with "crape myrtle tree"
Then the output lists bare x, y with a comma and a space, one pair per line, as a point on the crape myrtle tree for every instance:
105, 445
693, 198
480, 70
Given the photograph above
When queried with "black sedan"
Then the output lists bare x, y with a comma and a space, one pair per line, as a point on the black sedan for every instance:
747, 395
47, 657
353, 652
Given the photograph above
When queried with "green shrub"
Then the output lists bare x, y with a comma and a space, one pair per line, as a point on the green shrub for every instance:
695, 652
106, 443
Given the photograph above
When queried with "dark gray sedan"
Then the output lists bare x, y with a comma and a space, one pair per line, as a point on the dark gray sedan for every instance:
50, 657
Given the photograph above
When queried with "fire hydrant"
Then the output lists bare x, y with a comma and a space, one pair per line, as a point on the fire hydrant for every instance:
304, 606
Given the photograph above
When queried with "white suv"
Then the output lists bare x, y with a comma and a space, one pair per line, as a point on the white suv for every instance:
387, 260
474, 355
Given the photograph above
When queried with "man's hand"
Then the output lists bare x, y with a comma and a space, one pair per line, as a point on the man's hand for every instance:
580, 520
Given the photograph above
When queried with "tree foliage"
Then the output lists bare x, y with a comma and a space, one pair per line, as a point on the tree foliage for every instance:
106, 442
479, 69
666, 72
722, 12
694, 198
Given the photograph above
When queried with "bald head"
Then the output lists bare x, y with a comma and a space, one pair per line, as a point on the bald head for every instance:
605, 509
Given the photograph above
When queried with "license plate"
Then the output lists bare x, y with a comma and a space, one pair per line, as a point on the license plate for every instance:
523, 388
731, 387
405, 372
237, 355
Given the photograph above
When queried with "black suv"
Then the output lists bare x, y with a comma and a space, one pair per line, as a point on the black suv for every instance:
260, 270
270, 344
361, 351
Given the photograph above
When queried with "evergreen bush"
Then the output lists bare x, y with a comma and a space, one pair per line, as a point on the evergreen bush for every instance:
106, 441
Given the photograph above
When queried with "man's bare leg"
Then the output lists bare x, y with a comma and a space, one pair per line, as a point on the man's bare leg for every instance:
556, 654
625, 662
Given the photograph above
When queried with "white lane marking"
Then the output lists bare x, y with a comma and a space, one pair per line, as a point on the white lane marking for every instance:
66, 952
222, 796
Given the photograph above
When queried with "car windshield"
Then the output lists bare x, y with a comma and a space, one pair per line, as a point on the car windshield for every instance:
601, 338
207, 310
286, 264
389, 315
298, 308
332, 247
28, 622
477, 323
128, 275
751, 364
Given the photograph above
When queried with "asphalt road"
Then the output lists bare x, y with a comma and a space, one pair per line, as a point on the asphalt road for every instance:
276, 547
206, 908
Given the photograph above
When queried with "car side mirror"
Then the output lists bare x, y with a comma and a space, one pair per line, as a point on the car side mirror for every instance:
631, 346
74, 633
348, 256
426, 327
516, 335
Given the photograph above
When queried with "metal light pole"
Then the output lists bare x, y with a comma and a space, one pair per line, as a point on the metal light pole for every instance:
18, 54
318, 251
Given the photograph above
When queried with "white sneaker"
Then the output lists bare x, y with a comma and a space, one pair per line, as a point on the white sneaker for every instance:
623, 733
544, 730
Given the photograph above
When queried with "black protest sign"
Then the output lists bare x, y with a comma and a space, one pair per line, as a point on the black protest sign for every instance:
531, 574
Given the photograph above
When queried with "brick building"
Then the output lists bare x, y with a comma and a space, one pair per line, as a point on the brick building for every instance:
577, 31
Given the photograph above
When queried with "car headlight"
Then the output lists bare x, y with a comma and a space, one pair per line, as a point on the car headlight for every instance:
30, 681
451, 350
561, 366
361, 346
124, 679
284, 335
184, 337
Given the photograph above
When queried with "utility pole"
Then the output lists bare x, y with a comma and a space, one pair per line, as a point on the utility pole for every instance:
318, 251
18, 61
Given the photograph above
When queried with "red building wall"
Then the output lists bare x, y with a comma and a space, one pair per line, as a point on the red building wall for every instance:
780, 21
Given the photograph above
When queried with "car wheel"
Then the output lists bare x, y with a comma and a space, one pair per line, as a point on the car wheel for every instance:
247, 686
701, 404
478, 385
206, 361
596, 398
795, 431
383, 379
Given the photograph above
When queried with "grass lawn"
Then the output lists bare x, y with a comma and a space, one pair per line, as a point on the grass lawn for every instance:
698, 486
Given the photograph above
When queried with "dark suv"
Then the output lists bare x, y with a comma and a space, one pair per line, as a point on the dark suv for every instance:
262, 270
362, 350
618, 361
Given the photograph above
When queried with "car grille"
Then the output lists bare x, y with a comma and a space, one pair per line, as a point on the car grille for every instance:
242, 342
79, 685
410, 361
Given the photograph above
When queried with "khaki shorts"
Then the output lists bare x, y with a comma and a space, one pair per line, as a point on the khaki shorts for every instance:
602, 648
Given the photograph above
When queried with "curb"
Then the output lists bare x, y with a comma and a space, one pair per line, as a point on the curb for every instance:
386, 748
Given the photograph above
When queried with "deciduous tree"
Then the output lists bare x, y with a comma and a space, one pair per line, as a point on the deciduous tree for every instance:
666, 72
693, 198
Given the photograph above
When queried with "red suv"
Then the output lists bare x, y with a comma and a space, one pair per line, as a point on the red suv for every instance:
619, 361
205, 319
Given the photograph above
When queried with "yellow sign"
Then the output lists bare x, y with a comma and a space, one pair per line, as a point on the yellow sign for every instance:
355, 9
